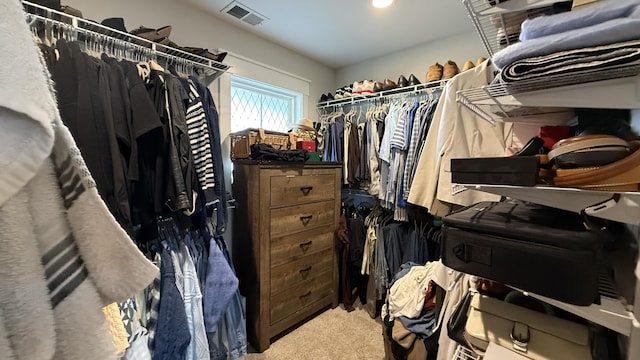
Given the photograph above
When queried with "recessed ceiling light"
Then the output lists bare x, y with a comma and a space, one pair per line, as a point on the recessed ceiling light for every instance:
381, 3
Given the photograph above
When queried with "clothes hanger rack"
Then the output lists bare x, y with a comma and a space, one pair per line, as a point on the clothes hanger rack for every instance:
100, 38
429, 89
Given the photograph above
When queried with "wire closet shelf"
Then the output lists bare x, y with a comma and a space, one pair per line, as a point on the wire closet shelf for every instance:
498, 21
121, 44
616, 87
430, 88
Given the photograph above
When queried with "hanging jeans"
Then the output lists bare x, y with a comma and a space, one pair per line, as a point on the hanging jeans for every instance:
231, 337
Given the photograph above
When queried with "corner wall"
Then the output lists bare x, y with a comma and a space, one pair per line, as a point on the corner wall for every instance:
415, 60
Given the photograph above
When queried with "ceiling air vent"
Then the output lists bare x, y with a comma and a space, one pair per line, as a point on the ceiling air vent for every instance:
244, 13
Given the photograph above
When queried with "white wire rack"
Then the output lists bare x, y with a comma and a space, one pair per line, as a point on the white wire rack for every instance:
122, 43
498, 21
463, 353
615, 87
433, 87
612, 312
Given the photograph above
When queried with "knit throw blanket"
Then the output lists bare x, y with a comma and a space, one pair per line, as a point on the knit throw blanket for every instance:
63, 255
600, 62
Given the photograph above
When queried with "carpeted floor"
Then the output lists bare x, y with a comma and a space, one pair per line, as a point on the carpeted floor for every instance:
333, 335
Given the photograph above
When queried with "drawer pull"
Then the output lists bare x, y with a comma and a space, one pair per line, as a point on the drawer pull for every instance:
306, 190
305, 295
306, 245
305, 219
305, 272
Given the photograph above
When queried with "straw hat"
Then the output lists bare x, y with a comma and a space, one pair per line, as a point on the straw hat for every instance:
305, 125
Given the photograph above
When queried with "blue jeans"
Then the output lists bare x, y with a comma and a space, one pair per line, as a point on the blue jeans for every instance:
231, 337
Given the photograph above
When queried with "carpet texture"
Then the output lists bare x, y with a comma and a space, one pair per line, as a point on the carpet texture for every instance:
333, 335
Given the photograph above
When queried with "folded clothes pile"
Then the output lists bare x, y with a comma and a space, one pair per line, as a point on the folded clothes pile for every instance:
605, 23
596, 60
265, 152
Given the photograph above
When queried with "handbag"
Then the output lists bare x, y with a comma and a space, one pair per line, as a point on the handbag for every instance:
529, 333
458, 320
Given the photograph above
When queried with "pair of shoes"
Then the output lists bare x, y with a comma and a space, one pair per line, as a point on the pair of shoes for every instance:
326, 97
434, 73
219, 57
388, 84
378, 86
403, 82
450, 70
363, 87
159, 35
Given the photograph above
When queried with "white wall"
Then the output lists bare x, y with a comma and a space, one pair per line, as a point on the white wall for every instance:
415, 60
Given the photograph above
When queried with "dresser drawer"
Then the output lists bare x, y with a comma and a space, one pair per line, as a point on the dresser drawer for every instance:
301, 217
292, 247
296, 189
300, 296
290, 274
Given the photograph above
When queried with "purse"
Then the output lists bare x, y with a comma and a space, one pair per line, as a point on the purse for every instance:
458, 320
529, 333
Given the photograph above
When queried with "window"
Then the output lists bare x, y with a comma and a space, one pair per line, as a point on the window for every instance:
256, 104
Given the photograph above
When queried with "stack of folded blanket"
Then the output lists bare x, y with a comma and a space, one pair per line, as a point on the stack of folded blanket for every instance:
603, 37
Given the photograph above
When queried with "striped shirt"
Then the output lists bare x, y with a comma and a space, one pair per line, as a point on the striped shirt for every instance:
200, 144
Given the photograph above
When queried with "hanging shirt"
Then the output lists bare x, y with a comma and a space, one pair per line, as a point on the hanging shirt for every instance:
456, 132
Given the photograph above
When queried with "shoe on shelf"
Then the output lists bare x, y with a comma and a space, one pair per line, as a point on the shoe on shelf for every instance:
153, 34
347, 91
434, 73
378, 86
367, 87
413, 80
115, 23
480, 60
323, 98
450, 70
330, 97
339, 94
402, 81
389, 84
357, 88
468, 65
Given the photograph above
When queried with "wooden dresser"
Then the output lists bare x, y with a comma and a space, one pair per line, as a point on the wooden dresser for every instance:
283, 243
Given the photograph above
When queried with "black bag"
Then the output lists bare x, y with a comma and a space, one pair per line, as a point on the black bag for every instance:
458, 320
534, 248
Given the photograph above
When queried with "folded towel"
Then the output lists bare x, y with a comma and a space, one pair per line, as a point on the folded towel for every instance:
574, 62
587, 16
609, 32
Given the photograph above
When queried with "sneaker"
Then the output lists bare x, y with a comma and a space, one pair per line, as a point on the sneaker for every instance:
339, 94
357, 88
347, 91
367, 87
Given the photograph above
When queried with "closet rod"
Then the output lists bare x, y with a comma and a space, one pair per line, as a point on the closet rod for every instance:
209, 70
432, 86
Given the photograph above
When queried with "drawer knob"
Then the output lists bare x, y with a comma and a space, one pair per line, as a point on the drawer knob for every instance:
306, 295
306, 245
306, 190
305, 272
305, 219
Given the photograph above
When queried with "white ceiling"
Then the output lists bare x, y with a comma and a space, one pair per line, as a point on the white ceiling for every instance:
339, 33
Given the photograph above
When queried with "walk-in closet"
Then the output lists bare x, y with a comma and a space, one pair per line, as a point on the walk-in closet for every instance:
326, 180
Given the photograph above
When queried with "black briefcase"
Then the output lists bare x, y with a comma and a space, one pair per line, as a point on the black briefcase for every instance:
533, 248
